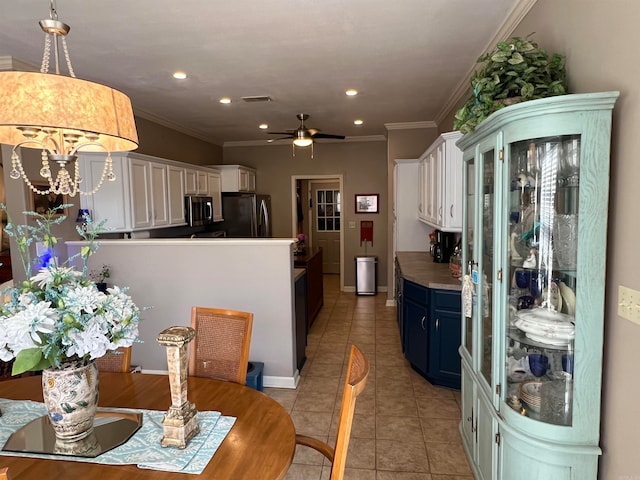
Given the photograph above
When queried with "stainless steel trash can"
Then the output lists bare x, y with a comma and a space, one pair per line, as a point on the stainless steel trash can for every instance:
366, 275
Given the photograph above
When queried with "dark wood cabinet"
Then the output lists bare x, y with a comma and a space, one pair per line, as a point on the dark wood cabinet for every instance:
311, 261
301, 318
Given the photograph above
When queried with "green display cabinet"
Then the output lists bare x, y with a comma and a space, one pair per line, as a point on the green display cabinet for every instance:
536, 190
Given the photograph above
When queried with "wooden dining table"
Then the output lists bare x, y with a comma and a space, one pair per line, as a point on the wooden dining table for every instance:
260, 445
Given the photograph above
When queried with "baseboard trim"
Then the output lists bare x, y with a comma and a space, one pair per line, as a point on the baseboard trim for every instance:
282, 382
391, 303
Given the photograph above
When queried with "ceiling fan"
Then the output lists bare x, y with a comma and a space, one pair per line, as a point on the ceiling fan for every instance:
303, 136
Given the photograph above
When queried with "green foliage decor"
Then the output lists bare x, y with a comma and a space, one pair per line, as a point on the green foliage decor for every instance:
517, 70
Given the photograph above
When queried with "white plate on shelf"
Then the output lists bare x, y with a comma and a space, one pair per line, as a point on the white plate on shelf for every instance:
568, 299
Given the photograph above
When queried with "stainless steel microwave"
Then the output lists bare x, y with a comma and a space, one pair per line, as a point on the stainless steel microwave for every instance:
198, 211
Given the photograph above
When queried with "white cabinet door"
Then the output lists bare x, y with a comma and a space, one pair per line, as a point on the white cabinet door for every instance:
452, 181
432, 188
237, 178
159, 194
422, 186
111, 202
176, 183
203, 186
440, 201
140, 193
215, 192
191, 181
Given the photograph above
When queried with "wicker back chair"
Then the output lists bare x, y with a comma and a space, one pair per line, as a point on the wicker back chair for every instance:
357, 373
221, 347
119, 361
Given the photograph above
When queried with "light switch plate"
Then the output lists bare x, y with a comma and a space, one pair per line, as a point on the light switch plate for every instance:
629, 303
352, 224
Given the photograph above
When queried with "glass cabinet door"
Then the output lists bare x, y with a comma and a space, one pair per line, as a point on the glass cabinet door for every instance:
542, 229
467, 253
486, 265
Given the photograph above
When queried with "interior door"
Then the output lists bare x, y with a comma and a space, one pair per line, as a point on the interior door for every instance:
326, 203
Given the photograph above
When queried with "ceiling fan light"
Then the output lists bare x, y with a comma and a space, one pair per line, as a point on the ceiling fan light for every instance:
302, 142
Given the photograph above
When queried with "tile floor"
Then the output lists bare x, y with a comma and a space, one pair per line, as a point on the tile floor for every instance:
404, 428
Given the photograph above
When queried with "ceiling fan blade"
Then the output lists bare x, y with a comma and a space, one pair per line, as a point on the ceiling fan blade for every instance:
327, 135
281, 133
281, 138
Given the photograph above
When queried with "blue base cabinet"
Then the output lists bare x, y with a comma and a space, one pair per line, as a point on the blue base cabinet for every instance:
432, 332
444, 333
535, 205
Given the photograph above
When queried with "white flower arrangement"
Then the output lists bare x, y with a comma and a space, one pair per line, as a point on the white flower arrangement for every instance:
59, 315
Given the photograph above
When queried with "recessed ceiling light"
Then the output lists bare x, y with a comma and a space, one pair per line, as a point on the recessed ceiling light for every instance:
352, 92
270, 140
263, 126
358, 122
225, 100
180, 75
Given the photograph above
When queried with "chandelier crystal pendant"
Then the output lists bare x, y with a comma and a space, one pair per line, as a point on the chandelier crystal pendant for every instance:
62, 115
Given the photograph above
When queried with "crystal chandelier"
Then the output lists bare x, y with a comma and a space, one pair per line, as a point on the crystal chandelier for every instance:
62, 115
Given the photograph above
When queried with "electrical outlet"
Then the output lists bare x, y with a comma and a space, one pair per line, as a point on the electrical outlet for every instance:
629, 303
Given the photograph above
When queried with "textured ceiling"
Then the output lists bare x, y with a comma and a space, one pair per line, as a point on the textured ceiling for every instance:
405, 57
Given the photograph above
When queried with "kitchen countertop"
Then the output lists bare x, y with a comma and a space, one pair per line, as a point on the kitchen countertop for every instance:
419, 267
297, 273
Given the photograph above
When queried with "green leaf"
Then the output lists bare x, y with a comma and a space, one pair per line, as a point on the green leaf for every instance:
527, 90
515, 59
499, 57
26, 360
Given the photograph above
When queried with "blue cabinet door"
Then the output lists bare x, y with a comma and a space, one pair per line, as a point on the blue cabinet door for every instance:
416, 334
444, 341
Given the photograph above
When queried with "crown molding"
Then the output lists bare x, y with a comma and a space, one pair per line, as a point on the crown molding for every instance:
8, 62
265, 143
520, 9
167, 123
410, 125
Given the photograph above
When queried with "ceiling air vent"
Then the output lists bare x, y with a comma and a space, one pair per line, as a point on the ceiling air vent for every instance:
257, 98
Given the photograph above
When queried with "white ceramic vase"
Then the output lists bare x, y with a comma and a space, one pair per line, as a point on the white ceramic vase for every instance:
71, 397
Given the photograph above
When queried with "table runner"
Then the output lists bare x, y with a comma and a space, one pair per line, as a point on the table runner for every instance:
143, 449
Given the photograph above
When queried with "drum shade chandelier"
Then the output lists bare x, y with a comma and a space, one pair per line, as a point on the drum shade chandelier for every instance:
62, 115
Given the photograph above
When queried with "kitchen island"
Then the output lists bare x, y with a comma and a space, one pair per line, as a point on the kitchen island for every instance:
172, 275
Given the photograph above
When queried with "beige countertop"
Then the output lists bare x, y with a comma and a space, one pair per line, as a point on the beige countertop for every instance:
297, 273
419, 267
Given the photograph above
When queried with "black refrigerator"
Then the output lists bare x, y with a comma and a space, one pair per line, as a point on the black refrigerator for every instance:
246, 215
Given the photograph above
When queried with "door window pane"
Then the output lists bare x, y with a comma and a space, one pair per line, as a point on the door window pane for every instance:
328, 202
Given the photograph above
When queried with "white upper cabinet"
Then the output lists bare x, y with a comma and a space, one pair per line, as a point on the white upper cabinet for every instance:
140, 193
112, 202
148, 192
237, 178
215, 192
176, 184
440, 191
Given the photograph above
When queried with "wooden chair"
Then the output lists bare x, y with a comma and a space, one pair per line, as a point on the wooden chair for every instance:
4, 473
221, 347
115, 362
357, 374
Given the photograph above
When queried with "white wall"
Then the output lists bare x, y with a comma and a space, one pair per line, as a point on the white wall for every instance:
171, 276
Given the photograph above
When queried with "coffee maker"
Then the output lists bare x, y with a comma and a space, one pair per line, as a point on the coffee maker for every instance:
443, 246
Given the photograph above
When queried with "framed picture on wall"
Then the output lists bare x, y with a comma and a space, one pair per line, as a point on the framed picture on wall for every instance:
43, 203
367, 202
